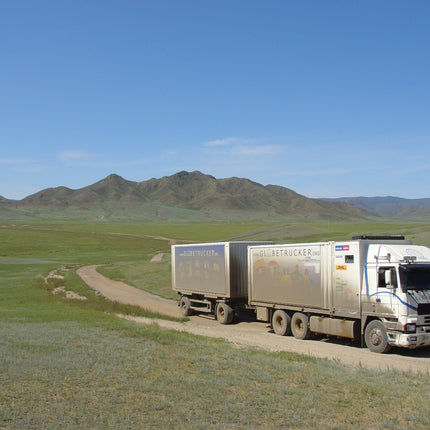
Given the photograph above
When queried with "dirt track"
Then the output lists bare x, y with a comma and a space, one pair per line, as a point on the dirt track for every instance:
253, 333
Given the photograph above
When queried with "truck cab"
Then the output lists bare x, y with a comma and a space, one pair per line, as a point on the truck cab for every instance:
396, 292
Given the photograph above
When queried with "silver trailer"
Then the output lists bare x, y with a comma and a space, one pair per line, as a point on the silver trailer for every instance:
373, 288
212, 277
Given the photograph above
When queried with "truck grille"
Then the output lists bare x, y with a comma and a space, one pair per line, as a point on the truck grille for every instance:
423, 308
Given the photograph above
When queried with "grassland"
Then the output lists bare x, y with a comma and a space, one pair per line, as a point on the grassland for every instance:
72, 364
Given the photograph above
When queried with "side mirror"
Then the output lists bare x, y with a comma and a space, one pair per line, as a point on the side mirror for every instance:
389, 280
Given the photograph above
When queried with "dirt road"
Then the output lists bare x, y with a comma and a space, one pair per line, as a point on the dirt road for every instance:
253, 333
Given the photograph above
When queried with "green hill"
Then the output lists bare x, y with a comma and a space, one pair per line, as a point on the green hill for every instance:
187, 195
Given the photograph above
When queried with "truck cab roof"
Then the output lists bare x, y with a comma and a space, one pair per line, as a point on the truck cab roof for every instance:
398, 253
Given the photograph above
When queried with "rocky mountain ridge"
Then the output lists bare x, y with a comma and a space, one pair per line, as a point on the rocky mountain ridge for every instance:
198, 192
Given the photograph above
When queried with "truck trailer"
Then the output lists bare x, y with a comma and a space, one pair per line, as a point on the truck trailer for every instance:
372, 288
212, 277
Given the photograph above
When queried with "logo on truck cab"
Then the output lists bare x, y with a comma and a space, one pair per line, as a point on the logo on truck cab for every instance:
342, 248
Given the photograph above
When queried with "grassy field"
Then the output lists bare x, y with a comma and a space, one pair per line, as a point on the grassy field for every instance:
72, 364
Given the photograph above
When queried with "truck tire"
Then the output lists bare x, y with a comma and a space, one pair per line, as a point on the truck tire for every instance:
281, 323
224, 313
184, 304
300, 326
375, 337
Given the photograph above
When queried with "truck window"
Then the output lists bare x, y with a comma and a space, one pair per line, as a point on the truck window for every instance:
415, 277
387, 276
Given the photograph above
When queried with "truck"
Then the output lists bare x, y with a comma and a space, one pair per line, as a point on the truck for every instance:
372, 288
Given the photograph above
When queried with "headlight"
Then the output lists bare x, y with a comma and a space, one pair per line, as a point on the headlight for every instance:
410, 328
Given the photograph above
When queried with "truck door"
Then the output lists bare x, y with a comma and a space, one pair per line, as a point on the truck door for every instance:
346, 279
386, 300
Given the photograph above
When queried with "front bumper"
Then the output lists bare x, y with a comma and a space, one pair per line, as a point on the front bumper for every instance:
408, 340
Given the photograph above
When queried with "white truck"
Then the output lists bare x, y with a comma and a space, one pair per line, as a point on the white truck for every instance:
372, 288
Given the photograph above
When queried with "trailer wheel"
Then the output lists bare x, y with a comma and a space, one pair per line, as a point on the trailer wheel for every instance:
300, 326
281, 323
224, 313
184, 304
375, 337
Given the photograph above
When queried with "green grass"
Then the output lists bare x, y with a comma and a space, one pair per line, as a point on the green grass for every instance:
115, 374
153, 277
93, 300
418, 232
189, 231
72, 364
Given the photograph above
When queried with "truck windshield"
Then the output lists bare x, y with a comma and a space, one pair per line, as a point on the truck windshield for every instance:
415, 277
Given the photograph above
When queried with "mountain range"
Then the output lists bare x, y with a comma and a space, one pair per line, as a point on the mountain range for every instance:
187, 194
390, 206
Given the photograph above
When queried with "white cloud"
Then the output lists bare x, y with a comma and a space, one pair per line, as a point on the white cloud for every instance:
258, 150
244, 147
329, 171
22, 165
13, 161
418, 168
224, 142
74, 156
233, 141
36, 168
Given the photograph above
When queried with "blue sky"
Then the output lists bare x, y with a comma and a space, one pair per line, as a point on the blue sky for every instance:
328, 98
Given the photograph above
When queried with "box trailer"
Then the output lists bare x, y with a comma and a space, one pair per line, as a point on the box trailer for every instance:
376, 288
212, 277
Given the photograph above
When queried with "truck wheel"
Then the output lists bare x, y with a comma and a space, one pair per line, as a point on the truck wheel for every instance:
300, 326
375, 337
224, 313
281, 323
184, 304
